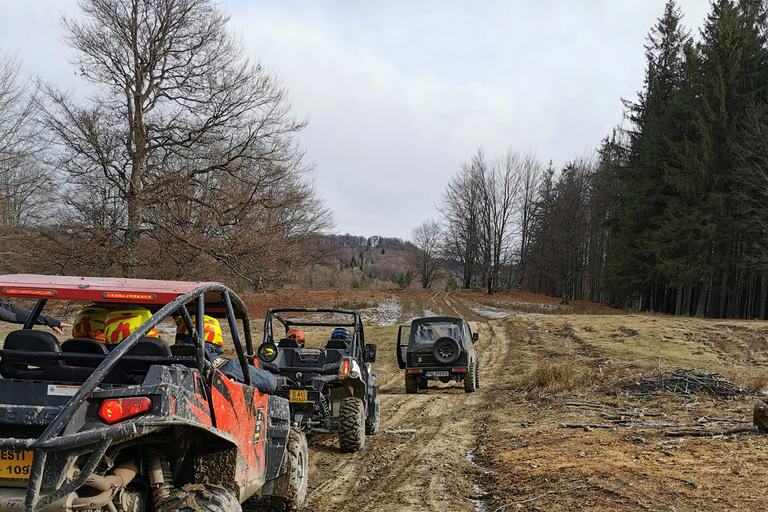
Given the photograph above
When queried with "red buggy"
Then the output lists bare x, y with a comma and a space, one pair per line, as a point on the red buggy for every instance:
146, 426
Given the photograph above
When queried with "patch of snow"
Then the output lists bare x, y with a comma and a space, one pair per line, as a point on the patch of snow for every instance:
491, 312
428, 312
386, 313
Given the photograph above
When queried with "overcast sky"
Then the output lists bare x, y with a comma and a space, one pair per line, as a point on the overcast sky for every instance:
399, 93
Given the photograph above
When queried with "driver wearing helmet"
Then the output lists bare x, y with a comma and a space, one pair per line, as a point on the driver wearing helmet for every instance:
296, 334
260, 379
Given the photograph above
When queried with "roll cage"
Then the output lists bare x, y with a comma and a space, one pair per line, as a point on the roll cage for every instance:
358, 335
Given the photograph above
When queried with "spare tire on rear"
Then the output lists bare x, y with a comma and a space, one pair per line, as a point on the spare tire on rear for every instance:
446, 350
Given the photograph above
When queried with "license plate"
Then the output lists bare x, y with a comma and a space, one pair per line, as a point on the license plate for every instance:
437, 374
15, 463
298, 396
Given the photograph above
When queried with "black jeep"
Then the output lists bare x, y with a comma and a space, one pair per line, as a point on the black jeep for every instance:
438, 348
330, 389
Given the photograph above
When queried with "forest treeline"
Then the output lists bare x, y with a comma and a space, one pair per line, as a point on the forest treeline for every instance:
670, 214
178, 158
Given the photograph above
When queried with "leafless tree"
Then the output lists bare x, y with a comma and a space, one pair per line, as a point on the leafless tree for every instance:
460, 208
178, 120
530, 177
25, 189
425, 256
23, 183
500, 188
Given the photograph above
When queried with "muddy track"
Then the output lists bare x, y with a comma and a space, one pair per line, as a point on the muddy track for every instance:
418, 460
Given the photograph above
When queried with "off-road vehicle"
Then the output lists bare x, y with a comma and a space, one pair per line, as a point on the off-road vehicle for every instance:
330, 389
438, 348
145, 426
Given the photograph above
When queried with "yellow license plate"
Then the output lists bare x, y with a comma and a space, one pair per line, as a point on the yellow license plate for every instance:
15, 463
298, 396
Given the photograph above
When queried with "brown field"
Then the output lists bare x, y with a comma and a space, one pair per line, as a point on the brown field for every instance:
507, 447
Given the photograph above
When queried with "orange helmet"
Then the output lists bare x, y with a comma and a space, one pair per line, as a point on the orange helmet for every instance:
211, 332
89, 323
296, 334
120, 323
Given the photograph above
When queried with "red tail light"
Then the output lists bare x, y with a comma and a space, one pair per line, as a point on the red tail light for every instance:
119, 409
345, 367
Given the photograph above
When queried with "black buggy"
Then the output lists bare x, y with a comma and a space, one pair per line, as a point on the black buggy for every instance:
438, 348
330, 389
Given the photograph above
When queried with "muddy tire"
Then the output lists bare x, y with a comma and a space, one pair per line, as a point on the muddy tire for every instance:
351, 424
372, 422
199, 498
296, 464
411, 383
446, 350
470, 379
477, 374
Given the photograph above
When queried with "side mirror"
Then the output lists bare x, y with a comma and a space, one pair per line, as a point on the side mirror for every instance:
369, 355
475, 337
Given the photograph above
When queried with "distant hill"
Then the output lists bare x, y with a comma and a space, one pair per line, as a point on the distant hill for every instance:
358, 262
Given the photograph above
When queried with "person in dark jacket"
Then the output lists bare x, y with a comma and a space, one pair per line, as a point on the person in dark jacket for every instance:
17, 315
260, 379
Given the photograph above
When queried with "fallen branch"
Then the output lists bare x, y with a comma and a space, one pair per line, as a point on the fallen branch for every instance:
708, 433
587, 425
529, 500
687, 482
400, 431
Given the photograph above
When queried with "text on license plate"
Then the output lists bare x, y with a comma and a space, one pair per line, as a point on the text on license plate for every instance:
15, 463
437, 374
297, 396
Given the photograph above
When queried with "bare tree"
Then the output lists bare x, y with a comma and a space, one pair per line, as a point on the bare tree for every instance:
23, 183
460, 208
178, 119
25, 188
530, 178
425, 256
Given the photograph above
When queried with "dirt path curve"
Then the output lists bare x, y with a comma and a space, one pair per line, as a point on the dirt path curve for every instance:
423, 468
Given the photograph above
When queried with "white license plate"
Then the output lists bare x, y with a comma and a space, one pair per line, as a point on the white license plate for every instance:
436, 374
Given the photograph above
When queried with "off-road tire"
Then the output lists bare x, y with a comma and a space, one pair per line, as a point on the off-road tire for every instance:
372, 422
351, 424
296, 464
446, 350
199, 498
411, 383
470, 379
477, 374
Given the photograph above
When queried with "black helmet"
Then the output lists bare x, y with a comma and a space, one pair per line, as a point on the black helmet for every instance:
341, 333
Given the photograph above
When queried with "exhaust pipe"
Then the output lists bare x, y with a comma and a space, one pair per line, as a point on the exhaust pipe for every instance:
109, 485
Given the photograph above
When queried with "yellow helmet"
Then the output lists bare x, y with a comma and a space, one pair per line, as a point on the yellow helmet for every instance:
122, 322
211, 331
89, 323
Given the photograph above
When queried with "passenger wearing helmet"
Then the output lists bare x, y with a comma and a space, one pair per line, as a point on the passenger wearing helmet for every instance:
260, 379
341, 333
120, 323
89, 323
296, 334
